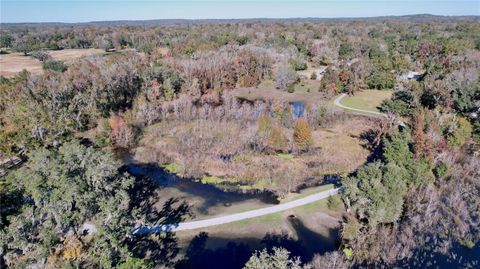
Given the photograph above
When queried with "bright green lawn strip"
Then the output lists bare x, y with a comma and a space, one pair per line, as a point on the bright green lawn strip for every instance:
366, 100
171, 168
308, 86
217, 180
285, 156
277, 218
306, 192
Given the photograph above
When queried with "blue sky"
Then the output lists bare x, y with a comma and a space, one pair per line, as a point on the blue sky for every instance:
88, 10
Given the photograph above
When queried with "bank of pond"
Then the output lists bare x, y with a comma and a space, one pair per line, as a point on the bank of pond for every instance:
201, 249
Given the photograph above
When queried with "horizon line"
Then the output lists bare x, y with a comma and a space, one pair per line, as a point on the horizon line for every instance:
238, 18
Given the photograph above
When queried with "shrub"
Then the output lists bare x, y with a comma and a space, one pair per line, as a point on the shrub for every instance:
291, 88
348, 253
298, 64
285, 77
41, 55
242, 40
345, 51
350, 228
401, 103
462, 130
102, 135
441, 170
334, 202
313, 76
54, 65
302, 135
121, 135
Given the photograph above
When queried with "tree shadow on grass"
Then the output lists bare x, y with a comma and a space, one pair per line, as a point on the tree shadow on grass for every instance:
160, 248
145, 197
234, 253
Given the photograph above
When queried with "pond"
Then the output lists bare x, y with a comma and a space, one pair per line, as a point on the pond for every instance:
204, 251
298, 109
210, 251
205, 200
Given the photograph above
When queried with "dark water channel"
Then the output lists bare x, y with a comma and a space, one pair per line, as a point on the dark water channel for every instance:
297, 108
207, 201
458, 257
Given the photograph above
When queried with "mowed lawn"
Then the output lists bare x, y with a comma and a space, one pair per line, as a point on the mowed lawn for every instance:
367, 100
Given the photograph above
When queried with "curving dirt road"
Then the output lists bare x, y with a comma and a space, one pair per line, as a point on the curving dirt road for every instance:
339, 98
238, 216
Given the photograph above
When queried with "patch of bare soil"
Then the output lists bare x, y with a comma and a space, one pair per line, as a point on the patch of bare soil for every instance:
13, 63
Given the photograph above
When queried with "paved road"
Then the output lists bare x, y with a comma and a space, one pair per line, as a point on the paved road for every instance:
339, 98
239, 216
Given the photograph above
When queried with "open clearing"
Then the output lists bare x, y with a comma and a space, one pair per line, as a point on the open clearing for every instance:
339, 150
366, 100
13, 63
343, 145
68, 55
266, 91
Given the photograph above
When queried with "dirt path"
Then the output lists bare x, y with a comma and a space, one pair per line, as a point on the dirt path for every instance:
239, 216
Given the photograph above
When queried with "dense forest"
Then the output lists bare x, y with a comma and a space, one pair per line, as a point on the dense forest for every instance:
181, 95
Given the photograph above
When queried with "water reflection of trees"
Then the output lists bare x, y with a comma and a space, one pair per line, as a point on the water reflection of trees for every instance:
159, 248
234, 253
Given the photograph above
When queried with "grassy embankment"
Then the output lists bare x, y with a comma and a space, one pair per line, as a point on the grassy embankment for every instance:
320, 217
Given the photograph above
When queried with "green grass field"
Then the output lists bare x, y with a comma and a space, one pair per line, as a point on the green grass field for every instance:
367, 100
313, 214
307, 86
306, 192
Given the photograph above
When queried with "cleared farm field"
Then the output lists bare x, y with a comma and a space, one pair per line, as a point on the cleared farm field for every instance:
13, 63
67, 55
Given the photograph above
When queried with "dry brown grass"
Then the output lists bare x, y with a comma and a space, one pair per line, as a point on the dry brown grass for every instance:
342, 146
222, 149
69, 55
13, 63
266, 91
